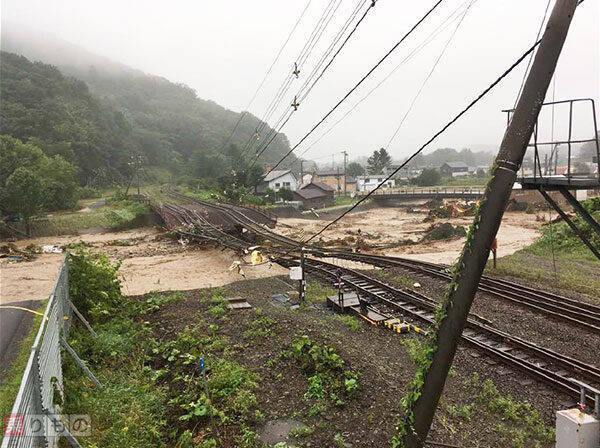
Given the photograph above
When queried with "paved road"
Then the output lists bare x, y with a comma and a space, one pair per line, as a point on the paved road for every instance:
14, 326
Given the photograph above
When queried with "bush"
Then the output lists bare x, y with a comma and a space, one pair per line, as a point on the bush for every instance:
94, 286
445, 231
88, 193
428, 177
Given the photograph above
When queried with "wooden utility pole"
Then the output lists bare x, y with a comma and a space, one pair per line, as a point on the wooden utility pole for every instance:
476, 251
345, 163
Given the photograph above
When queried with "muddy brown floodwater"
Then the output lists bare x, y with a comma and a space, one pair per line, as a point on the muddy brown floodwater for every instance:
388, 226
149, 263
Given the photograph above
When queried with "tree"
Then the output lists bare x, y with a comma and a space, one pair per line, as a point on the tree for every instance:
355, 169
588, 150
31, 182
379, 161
286, 194
23, 194
428, 177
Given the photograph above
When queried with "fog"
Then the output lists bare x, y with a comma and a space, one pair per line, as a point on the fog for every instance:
222, 49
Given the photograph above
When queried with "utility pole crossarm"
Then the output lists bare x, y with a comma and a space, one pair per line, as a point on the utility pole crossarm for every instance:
422, 401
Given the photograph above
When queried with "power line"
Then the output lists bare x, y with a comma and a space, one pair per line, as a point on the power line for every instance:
359, 83
435, 64
337, 39
531, 57
313, 39
437, 134
438, 30
244, 113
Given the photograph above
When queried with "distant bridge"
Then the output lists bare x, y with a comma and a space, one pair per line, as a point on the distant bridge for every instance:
407, 194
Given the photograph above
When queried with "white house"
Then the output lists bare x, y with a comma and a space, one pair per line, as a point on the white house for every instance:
368, 183
278, 179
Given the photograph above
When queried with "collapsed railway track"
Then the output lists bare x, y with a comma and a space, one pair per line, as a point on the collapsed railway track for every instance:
543, 364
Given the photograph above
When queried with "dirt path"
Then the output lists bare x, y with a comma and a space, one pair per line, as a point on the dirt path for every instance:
149, 263
387, 226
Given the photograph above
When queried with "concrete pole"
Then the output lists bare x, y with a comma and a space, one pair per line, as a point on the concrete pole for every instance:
345, 175
487, 221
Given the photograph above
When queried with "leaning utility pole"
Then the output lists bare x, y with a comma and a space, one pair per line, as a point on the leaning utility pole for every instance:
473, 259
345, 162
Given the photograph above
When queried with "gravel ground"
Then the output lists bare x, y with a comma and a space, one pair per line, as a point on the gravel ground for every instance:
369, 419
523, 322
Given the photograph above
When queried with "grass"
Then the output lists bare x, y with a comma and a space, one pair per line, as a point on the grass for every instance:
317, 293
112, 216
516, 421
344, 200
577, 269
14, 373
348, 320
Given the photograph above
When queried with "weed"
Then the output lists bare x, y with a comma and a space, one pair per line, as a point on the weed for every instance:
417, 350
350, 321
302, 431
326, 375
317, 293
339, 439
94, 286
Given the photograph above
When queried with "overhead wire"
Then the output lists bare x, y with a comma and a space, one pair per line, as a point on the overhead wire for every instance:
438, 30
260, 85
424, 83
428, 142
531, 57
287, 82
322, 60
408, 33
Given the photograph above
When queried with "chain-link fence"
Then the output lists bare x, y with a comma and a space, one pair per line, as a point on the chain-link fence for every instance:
35, 419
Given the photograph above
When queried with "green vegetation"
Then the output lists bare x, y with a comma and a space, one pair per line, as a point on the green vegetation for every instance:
344, 200
348, 320
444, 231
101, 119
113, 216
428, 177
153, 394
577, 269
31, 182
516, 421
317, 292
327, 377
379, 161
13, 374
355, 169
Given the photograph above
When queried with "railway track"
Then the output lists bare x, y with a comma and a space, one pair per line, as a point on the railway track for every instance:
575, 312
538, 362
543, 364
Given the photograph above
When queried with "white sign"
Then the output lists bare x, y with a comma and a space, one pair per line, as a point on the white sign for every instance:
295, 273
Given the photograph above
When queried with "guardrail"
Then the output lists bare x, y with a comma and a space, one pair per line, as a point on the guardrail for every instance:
424, 191
35, 419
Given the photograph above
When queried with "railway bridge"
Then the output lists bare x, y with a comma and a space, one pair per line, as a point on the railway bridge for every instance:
427, 193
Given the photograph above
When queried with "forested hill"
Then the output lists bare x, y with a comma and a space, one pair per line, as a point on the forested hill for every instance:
99, 118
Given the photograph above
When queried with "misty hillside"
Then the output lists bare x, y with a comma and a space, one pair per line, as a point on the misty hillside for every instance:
119, 111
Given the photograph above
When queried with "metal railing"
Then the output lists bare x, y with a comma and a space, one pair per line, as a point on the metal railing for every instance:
35, 418
426, 191
550, 167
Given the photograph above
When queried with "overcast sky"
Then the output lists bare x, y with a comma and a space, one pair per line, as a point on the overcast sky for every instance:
223, 48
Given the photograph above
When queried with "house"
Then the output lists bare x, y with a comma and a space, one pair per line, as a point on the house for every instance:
368, 183
454, 169
278, 179
333, 178
315, 195
350, 184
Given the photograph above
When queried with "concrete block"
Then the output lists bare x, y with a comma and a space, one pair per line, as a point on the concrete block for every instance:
574, 429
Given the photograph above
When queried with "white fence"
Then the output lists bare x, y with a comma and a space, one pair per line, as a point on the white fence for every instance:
35, 419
